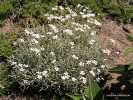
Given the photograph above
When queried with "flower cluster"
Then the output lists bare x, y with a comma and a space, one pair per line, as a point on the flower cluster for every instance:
59, 54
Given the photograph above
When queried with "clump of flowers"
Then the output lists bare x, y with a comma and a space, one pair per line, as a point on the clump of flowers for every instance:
62, 55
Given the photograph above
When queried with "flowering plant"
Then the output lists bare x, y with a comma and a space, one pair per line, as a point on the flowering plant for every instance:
62, 55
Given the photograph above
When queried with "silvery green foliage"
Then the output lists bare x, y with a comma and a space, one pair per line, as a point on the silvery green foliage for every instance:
61, 55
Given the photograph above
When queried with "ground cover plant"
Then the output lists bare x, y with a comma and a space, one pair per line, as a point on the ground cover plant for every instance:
30, 13
6, 46
122, 10
25, 12
62, 54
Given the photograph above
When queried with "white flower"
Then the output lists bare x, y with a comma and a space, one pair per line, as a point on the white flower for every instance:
92, 42
74, 14
90, 20
92, 73
49, 33
61, 7
74, 79
52, 53
84, 10
67, 76
21, 40
34, 41
53, 61
89, 62
63, 77
54, 37
72, 43
87, 15
45, 73
62, 19
78, 5
75, 57
105, 59
98, 79
81, 64
54, 28
54, 8
97, 23
103, 66
112, 40
98, 70
42, 49
26, 31
117, 52
93, 33
39, 76
50, 17
94, 68
21, 69
39, 72
82, 73
25, 81
42, 36
36, 36
66, 73
25, 65
37, 51
67, 8
102, 78
81, 13
68, 31
86, 7
90, 15
106, 51
20, 65
68, 16
56, 69
13, 63
84, 80
94, 62
81, 29
86, 26
84, 16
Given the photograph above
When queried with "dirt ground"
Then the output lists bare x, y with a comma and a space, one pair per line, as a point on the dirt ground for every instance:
8, 27
112, 36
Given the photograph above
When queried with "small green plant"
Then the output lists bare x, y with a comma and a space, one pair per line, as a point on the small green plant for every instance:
93, 92
2, 20
75, 2
125, 70
5, 81
27, 13
6, 41
121, 11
